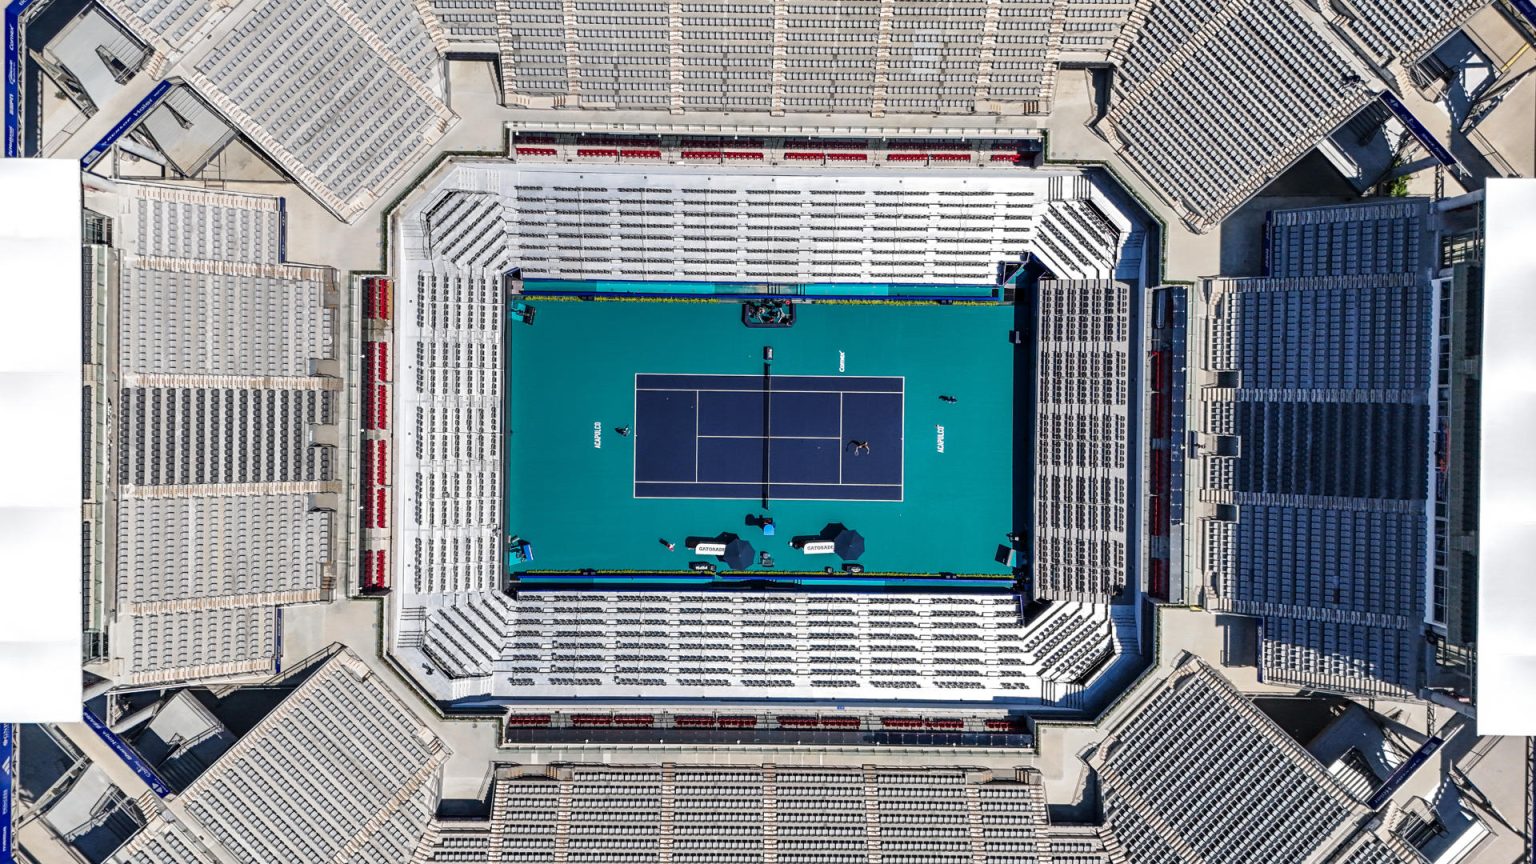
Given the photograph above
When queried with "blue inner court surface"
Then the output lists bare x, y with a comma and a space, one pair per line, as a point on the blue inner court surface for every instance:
768, 437
934, 493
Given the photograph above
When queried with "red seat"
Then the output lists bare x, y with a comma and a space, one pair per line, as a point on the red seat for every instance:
536, 151
596, 151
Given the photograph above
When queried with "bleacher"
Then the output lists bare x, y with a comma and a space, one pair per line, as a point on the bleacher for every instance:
200, 643
171, 21
1375, 238
1403, 30
221, 350
1325, 539
178, 222
711, 645
382, 115
857, 57
469, 229
378, 297
1262, 796
340, 770
406, 34
212, 547
735, 814
162, 841
448, 447
1215, 100
201, 323
558, 221
1081, 448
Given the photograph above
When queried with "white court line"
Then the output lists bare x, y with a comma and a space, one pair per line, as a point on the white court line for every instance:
698, 410
759, 391
775, 437
634, 450
751, 375
755, 483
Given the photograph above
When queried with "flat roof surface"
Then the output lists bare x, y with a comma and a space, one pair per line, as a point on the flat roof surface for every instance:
932, 492
40, 357
1506, 671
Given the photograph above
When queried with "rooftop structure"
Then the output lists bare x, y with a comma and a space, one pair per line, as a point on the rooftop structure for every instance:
1503, 478
91, 58
1316, 416
1195, 772
222, 385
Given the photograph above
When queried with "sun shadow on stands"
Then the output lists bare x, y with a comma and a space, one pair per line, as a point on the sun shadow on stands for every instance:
465, 808
1026, 324
1083, 811
1034, 609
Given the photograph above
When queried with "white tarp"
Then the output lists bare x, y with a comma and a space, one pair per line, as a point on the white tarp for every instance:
1506, 672
40, 457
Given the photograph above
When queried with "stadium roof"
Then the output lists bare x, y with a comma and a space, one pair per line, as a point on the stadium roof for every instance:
1506, 682
40, 499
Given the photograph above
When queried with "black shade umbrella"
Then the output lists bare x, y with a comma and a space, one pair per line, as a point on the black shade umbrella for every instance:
849, 544
739, 554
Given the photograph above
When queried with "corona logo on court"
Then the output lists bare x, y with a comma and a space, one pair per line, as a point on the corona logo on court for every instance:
597, 435
941, 437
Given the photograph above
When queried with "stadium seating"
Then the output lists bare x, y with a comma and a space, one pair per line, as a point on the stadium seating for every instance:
208, 547
258, 75
201, 642
1187, 60
344, 744
859, 57
843, 647
1331, 555
754, 813
449, 447
1196, 720
219, 344
1082, 440
1402, 29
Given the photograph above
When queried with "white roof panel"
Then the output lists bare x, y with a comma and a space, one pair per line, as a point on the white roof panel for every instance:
1506, 677
40, 355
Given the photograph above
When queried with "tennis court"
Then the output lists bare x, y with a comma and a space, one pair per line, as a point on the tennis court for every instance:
767, 437
630, 423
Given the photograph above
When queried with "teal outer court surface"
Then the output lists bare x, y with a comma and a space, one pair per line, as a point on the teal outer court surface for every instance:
631, 424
